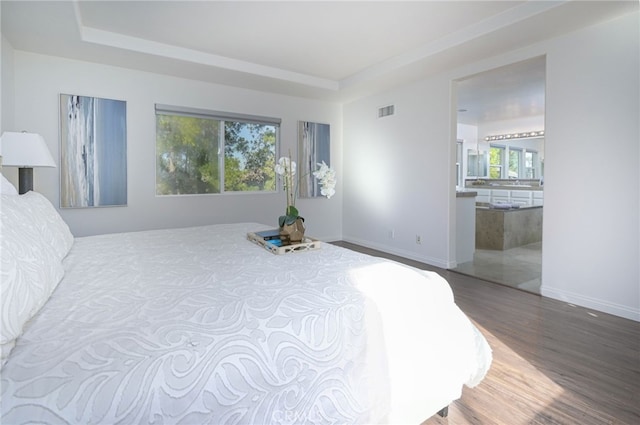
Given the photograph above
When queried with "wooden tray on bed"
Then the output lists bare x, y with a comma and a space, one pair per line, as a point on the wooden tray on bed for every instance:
307, 244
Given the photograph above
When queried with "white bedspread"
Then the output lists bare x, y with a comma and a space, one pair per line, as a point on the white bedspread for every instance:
199, 325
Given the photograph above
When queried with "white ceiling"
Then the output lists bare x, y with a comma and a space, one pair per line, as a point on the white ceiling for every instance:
333, 51
508, 92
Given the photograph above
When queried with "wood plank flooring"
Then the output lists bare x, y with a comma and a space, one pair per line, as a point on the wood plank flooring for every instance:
554, 363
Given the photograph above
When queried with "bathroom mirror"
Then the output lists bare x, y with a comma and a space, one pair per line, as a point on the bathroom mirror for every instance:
476, 163
516, 159
505, 159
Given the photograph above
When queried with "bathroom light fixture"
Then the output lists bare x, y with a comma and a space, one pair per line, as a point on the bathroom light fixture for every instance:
523, 135
25, 150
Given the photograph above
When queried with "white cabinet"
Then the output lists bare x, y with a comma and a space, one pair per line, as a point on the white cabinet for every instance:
499, 196
484, 195
522, 197
538, 197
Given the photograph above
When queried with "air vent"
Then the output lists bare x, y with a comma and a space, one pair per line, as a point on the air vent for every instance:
385, 111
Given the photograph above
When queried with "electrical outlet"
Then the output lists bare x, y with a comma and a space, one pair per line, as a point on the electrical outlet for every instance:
418, 239
392, 234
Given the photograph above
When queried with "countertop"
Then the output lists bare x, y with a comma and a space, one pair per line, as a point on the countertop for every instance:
521, 208
504, 187
466, 193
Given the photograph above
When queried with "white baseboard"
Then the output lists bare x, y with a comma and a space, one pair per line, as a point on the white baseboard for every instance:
436, 262
327, 239
592, 303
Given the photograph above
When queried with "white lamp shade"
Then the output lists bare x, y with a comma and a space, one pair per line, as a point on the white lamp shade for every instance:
25, 150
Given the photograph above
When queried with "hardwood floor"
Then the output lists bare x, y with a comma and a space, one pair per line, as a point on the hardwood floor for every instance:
554, 363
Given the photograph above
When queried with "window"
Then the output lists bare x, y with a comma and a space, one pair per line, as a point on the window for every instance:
496, 161
201, 152
515, 162
530, 161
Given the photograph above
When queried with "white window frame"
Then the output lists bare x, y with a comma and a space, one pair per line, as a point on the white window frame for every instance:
161, 109
520, 161
503, 159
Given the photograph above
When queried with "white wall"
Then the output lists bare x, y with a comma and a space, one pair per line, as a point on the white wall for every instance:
591, 253
399, 170
399, 175
6, 85
40, 79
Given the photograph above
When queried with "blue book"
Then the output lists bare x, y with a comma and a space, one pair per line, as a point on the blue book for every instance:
268, 235
274, 242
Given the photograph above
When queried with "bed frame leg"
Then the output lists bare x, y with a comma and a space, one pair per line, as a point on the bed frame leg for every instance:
444, 412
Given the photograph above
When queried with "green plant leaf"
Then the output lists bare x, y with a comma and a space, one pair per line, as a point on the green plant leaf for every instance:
288, 219
292, 211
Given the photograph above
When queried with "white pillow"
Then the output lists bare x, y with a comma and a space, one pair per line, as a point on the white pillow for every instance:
52, 228
31, 265
6, 188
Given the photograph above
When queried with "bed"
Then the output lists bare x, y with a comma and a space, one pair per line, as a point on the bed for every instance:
199, 325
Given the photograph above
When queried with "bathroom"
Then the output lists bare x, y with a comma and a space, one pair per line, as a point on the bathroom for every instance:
500, 159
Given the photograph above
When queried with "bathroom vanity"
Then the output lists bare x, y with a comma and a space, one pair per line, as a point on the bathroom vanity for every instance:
502, 228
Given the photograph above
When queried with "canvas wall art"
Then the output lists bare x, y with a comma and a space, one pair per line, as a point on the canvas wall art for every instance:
314, 146
93, 152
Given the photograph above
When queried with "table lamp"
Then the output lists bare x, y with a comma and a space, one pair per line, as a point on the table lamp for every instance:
25, 150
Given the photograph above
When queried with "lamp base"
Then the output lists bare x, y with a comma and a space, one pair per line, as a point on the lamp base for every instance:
25, 180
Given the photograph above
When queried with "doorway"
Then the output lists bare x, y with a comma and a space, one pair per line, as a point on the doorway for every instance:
500, 155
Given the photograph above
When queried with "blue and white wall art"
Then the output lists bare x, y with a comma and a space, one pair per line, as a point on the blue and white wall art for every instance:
93, 152
314, 146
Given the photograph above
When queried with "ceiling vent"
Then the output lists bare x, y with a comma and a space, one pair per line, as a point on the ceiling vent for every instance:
385, 111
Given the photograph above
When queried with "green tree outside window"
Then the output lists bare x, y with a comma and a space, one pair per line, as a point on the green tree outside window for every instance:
188, 153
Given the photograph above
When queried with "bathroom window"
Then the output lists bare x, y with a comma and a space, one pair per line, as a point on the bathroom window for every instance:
530, 161
496, 161
515, 163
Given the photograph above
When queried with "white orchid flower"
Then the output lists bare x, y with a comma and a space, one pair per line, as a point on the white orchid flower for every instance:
285, 166
327, 191
327, 177
322, 171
